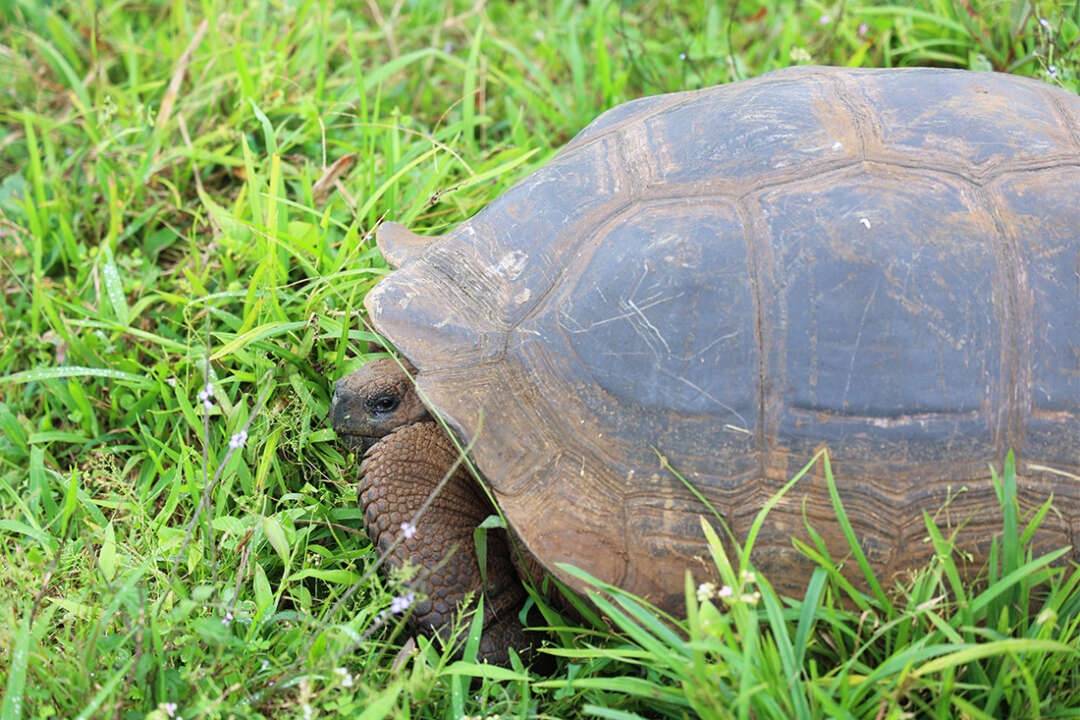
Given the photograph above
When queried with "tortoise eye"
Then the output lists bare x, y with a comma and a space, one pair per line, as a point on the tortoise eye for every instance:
384, 404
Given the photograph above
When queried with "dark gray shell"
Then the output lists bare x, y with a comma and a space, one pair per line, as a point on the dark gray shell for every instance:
883, 262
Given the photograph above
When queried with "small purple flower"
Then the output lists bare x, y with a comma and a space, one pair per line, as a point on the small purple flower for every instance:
346, 678
706, 591
401, 603
863, 29
408, 529
682, 56
227, 619
825, 19
206, 396
170, 708
237, 441
1045, 23
1052, 71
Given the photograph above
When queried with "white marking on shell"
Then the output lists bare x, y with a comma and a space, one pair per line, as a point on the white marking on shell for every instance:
512, 264
637, 152
663, 240
865, 222
523, 297
401, 299
838, 146
374, 297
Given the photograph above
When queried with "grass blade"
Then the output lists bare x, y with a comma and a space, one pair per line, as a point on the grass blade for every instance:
12, 707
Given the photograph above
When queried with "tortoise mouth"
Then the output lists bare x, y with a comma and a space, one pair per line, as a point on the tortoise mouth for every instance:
356, 442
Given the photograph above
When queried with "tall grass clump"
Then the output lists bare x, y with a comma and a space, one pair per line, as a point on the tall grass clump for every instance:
1003, 643
188, 192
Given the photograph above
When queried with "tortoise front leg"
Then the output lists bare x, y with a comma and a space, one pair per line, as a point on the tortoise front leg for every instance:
397, 476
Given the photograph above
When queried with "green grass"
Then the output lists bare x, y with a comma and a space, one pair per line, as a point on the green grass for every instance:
939, 647
167, 219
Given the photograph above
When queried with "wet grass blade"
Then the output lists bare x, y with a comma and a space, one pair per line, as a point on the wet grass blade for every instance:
12, 706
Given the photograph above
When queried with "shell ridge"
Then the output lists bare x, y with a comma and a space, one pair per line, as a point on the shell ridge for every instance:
1015, 370
712, 189
846, 89
1067, 117
754, 235
678, 99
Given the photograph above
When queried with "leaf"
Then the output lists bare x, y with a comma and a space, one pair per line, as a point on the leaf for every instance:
468, 107
51, 436
114, 288
325, 435
14, 526
225, 221
107, 556
107, 689
10, 426
254, 334
71, 501
610, 713
480, 543
852, 541
276, 535
380, 706
459, 686
75, 371
266, 459
337, 577
999, 647
264, 596
11, 709
268, 128
40, 485
484, 670
637, 687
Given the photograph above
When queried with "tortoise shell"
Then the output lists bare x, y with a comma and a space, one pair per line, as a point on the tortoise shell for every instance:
885, 263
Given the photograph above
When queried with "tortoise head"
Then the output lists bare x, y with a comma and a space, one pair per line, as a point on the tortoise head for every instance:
381, 396
374, 401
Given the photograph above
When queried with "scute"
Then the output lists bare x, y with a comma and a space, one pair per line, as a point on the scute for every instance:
970, 122
877, 270
886, 263
633, 110
735, 135
1043, 217
639, 313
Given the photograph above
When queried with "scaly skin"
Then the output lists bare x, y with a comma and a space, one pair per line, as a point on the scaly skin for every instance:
401, 468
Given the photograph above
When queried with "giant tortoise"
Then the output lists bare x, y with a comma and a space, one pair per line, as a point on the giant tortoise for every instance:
885, 263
